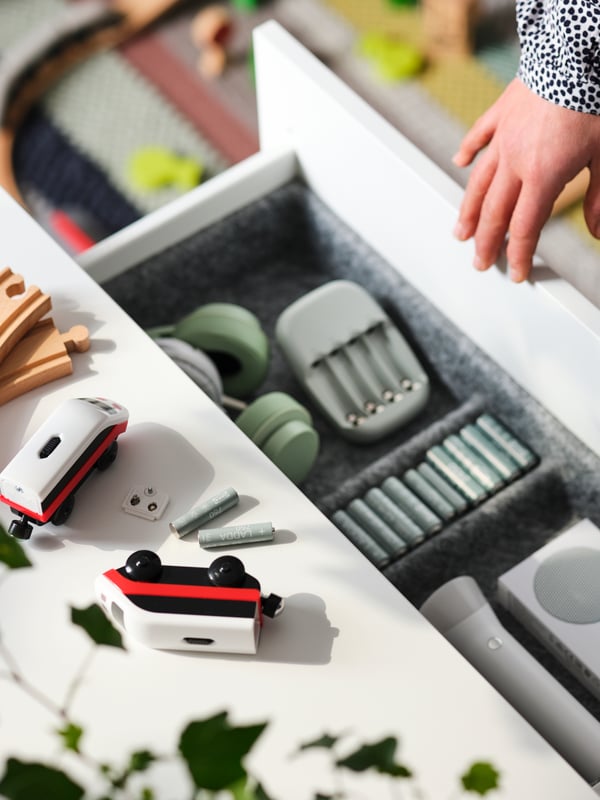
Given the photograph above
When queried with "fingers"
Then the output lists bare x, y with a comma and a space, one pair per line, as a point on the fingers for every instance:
478, 137
529, 216
591, 203
479, 183
495, 217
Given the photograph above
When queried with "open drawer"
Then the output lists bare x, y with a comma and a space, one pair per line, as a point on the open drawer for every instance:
336, 193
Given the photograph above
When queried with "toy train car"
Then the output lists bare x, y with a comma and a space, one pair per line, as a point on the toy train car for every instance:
214, 609
39, 483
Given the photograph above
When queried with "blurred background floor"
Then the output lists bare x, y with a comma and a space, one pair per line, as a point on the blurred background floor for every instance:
76, 150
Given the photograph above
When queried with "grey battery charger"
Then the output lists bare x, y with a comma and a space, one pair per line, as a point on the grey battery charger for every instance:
352, 361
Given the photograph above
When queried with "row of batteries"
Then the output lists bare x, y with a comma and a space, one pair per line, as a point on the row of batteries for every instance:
456, 475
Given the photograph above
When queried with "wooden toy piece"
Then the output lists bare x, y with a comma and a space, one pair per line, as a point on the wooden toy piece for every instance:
40, 357
19, 309
210, 31
448, 28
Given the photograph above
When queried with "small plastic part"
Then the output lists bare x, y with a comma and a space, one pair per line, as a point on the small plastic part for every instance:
154, 167
145, 502
209, 510
393, 59
352, 361
236, 534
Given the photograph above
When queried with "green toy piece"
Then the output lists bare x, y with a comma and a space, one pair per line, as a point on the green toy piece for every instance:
245, 5
394, 60
154, 167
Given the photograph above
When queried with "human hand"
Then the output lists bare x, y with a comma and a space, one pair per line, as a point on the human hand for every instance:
533, 148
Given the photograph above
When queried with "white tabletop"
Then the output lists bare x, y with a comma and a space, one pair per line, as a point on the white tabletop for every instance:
349, 653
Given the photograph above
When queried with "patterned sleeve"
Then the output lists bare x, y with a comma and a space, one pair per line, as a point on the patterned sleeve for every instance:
560, 51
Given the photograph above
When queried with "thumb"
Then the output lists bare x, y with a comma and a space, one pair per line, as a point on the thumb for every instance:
591, 203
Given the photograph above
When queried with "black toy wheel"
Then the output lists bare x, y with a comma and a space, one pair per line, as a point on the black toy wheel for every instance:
143, 565
63, 512
20, 529
227, 571
107, 457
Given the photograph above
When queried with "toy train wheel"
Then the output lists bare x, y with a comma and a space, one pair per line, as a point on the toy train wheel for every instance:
63, 512
20, 529
107, 457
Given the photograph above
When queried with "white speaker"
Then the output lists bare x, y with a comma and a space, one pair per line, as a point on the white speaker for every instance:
555, 594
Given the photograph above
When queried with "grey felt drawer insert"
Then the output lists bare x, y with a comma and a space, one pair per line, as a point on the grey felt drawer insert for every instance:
270, 253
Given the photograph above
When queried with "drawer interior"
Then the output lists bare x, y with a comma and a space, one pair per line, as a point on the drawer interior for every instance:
275, 250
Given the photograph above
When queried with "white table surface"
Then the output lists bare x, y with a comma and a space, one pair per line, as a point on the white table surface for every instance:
348, 654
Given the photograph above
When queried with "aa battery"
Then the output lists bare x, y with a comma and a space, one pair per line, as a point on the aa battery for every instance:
456, 475
428, 494
236, 534
198, 516
361, 539
473, 464
495, 456
502, 437
394, 516
447, 490
377, 528
408, 501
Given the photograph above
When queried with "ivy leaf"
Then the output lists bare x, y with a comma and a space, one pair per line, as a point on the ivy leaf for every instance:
481, 778
140, 761
30, 781
378, 756
71, 735
213, 750
325, 741
97, 625
11, 552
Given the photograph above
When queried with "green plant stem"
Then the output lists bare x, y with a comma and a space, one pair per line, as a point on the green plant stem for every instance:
76, 682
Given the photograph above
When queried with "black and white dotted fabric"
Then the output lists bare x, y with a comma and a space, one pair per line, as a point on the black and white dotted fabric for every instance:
560, 51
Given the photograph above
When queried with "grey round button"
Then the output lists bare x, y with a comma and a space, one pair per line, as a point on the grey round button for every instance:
567, 585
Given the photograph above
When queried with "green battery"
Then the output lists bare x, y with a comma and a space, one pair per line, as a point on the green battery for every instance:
236, 534
456, 500
394, 516
412, 505
473, 464
377, 528
453, 472
361, 539
198, 516
497, 458
428, 494
503, 438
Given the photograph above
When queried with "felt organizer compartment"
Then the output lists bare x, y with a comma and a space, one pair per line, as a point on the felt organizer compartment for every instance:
273, 252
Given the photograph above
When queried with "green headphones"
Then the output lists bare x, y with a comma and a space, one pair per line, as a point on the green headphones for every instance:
224, 350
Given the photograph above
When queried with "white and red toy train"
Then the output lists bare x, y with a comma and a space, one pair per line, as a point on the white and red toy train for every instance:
39, 483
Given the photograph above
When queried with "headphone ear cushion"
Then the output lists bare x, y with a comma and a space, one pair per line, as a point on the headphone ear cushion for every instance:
283, 429
196, 365
233, 337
